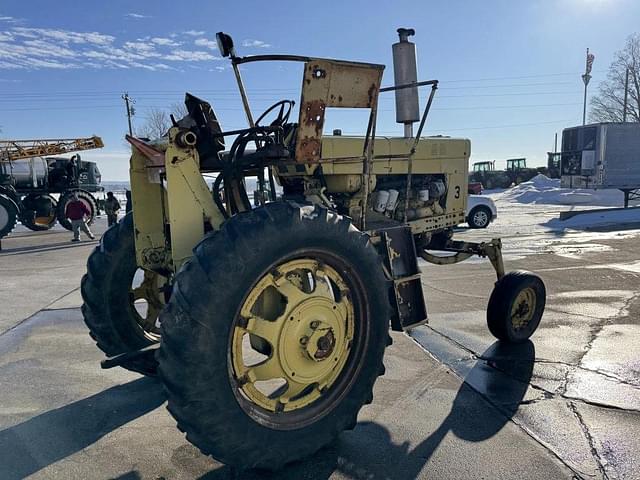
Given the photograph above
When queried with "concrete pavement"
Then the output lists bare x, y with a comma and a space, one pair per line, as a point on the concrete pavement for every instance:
562, 406
581, 396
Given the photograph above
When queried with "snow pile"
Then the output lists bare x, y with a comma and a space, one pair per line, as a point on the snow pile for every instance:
544, 190
595, 219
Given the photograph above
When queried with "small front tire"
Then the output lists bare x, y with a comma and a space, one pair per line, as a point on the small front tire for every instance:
516, 306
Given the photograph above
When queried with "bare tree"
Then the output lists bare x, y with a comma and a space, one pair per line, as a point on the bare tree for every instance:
608, 104
156, 125
158, 121
179, 110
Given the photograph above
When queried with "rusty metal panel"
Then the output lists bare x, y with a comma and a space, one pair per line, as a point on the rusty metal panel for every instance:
328, 83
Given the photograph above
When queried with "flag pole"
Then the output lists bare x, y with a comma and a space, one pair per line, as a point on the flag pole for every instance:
585, 78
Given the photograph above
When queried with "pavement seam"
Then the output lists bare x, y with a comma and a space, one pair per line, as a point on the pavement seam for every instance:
548, 393
604, 373
498, 408
36, 313
590, 440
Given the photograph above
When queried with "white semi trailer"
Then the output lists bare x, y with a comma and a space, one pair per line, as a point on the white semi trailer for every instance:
602, 155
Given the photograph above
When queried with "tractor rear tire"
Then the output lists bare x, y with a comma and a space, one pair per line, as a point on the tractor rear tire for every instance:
516, 306
108, 309
8, 215
214, 402
88, 199
31, 210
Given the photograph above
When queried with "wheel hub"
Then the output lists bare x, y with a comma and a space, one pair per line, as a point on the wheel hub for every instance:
310, 338
523, 308
480, 218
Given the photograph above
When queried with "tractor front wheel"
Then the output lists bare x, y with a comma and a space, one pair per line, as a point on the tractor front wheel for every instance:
274, 335
516, 306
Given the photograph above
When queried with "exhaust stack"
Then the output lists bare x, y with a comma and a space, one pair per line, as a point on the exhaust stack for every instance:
405, 71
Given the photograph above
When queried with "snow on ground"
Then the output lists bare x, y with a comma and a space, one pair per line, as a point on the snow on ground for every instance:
586, 220
528, 220
534, 206
544, 190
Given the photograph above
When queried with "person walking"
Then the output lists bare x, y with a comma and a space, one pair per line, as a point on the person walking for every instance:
111, 208
129, 205
76, 211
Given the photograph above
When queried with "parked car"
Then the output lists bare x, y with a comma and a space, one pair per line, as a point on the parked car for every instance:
481, 211
475, 188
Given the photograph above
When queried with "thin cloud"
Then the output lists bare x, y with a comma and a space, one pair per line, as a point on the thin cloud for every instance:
136, 15
205, 42
165, 41
190, 56
46, 48
255, 43
64, 36
194, 33
8, 19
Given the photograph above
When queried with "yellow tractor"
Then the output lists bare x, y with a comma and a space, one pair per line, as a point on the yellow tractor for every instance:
268, 324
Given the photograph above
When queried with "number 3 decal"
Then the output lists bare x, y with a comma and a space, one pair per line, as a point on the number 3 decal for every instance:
457, 190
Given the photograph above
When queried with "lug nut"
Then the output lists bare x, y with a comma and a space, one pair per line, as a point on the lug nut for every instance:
304, 340
315, 324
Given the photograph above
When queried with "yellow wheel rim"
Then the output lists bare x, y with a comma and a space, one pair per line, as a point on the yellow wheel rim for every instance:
147, 301
523, 308
301, 317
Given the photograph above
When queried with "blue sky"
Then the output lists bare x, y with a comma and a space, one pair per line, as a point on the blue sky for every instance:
509, 70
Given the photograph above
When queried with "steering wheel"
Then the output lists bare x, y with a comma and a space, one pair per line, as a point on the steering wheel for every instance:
283, 113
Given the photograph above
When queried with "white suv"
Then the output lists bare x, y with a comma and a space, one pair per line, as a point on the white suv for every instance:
481, 211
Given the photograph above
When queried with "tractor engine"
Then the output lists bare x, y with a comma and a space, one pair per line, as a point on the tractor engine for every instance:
426, 196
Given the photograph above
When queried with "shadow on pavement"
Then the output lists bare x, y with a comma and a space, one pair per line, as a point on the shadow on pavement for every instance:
47, 438
370, 453
45, 248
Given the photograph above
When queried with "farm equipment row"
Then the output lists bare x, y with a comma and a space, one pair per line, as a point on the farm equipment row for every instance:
30, 176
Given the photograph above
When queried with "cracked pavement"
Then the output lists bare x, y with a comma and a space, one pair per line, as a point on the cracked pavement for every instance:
453, 404
579, 378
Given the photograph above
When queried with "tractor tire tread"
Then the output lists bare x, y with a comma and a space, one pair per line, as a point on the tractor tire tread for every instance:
201, 399
102, 273
500, 302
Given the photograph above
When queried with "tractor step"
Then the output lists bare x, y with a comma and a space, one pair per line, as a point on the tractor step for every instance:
402, 262
127, 357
